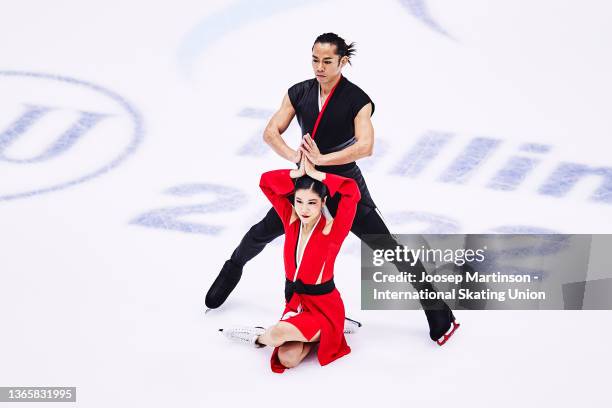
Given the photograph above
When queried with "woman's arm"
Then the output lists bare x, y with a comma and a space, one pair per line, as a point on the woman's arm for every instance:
277, 185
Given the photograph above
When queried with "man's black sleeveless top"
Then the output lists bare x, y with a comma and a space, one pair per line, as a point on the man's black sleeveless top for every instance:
336, 129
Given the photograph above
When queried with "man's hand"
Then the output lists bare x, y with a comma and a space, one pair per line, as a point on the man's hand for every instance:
310, 149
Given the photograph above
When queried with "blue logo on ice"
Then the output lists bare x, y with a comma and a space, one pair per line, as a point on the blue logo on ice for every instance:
56, 132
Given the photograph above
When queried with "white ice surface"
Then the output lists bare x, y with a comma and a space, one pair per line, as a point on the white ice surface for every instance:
91, 300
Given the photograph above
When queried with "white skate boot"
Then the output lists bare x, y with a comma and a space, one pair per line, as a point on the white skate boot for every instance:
243, 334
351, 326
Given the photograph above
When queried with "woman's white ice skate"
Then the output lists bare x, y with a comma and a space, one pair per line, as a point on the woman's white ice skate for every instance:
351, 326
243, 334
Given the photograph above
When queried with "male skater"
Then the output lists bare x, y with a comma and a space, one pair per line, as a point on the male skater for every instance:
334, 115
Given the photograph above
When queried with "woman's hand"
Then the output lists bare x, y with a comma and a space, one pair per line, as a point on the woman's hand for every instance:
299, 172
310, 170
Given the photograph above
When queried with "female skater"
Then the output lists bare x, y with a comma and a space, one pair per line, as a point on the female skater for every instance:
314, 311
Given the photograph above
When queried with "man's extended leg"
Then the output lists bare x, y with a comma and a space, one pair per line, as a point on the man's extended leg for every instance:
439, 315
253, 242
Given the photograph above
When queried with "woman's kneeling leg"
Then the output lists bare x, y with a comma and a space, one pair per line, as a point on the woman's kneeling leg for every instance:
292, 353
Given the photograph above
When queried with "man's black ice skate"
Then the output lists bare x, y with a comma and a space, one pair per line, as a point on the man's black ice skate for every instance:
442, 324
224, 285
448, 333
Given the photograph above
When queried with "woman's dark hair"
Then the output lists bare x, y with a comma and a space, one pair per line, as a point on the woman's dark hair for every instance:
342, 48
308, 183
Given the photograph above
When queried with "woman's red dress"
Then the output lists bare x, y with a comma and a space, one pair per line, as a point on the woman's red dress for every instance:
311, 313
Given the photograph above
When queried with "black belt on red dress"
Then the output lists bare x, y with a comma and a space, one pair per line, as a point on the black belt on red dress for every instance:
300, 287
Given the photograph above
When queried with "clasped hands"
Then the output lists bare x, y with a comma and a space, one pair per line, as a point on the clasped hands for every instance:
309, 148
306, 168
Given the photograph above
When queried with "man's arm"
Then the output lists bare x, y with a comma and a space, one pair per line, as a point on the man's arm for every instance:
276, 126
363, 146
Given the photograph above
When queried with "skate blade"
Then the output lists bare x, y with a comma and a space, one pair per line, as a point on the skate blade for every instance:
442, 340
354, 321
